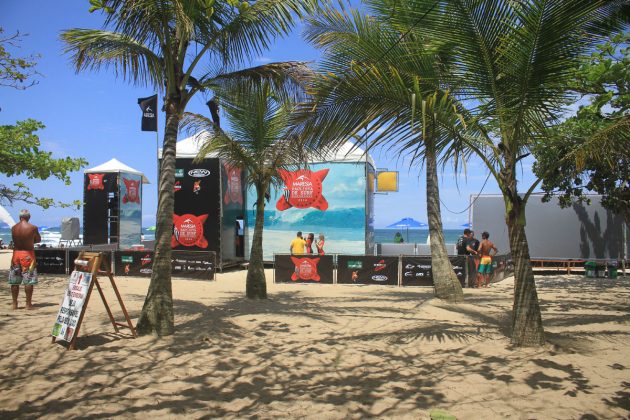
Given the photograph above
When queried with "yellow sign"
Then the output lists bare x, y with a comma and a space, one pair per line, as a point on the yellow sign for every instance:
387, 181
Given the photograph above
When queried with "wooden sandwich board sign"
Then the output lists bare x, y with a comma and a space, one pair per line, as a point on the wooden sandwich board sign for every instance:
87, 267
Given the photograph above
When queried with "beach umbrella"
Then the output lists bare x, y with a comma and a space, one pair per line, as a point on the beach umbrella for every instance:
407, 222
151, 229
467, 225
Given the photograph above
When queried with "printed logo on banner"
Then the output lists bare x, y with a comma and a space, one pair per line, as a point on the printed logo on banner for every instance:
234, 193
353, 264
196, 187
96, 182
380, 277
305, 269
126, 258
127, 269
146, 259
355, 276
179, 173
188, 230
177, 186
199, 173
380, 265
133, 191
303, 189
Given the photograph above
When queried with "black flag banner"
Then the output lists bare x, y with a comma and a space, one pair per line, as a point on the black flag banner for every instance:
149, 113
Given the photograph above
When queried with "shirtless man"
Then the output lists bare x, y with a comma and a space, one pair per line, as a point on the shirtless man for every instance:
485, 266
23, 266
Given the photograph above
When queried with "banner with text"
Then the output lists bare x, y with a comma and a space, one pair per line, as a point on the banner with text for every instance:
72, 305
305, 268
51, 261
417, 271
189, 264
367, 269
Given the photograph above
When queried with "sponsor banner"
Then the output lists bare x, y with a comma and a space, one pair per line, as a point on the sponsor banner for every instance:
199, 265
51, 261
302, 189
197, 216
189, 264
417, 271
72, 305
149, 113
133, 263
367, 269
306, 268
130, 210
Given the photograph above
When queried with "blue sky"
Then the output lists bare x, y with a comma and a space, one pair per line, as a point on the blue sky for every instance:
95, 115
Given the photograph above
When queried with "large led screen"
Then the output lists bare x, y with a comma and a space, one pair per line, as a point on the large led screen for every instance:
326, 198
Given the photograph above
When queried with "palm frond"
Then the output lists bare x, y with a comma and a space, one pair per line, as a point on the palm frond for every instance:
248, 33
96, 49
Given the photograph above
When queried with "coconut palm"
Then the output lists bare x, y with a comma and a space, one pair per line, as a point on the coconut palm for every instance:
374, 79
515, 59
163, 44
258, 112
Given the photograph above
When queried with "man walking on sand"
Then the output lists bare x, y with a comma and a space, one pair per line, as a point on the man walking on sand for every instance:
23, 266
485, 266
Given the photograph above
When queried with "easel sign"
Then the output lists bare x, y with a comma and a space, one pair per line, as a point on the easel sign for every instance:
79, 286
87, 267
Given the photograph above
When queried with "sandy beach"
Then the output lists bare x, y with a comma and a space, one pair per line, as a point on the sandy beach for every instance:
322, 351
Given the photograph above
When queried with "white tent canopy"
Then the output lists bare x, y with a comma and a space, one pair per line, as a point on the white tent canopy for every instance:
115, 165
348, 152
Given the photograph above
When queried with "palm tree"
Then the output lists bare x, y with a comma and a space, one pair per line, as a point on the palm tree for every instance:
259, 112
161, 44
513, 62
372, 78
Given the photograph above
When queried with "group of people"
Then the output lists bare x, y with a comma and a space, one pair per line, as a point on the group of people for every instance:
299, 245
482, 253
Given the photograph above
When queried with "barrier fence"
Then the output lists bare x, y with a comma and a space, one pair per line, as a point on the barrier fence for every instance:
402, 270
200, 265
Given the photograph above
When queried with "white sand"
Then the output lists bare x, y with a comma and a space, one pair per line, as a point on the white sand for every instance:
321, 351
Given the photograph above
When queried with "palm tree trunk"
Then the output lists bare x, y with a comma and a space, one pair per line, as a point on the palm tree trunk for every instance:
527, 328
256, 286
157, 313
447, 286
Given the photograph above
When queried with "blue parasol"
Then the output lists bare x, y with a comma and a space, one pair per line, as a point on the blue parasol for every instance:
407, 222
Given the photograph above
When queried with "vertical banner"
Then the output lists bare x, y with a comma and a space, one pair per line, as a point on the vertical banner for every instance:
367, 269
197, 217
233, 210
130, 208
72, 305
149, 113
306, 268
417, 271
